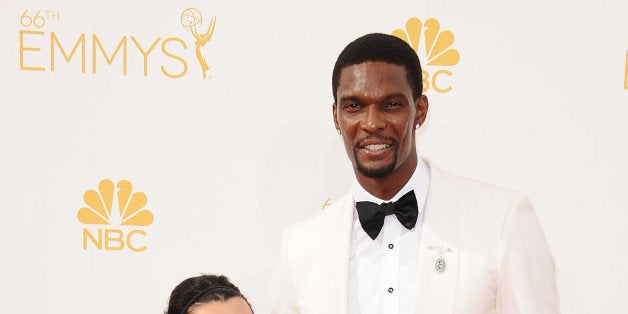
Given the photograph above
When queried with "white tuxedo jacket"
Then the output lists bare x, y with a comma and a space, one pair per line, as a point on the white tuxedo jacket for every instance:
497, 258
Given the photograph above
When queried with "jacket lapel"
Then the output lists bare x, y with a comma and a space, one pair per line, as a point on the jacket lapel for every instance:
333, 275
437, 273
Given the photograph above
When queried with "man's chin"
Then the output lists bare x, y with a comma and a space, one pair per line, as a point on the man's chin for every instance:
376, 172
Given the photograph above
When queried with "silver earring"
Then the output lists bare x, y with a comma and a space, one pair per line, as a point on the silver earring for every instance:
339, 132
417, 125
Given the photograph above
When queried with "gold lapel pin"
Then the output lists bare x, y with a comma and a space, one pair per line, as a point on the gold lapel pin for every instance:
440, 265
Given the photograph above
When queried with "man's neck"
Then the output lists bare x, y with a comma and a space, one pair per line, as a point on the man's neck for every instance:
387, 187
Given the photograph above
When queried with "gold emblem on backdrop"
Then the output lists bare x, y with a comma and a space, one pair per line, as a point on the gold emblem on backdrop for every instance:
129, 210
43, 48
192, 19
131, 204
436, 52
326, 203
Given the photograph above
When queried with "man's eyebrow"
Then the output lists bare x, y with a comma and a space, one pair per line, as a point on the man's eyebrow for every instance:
385, 98
395, 95
349, 98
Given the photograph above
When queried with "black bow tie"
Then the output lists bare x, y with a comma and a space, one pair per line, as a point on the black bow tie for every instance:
372, 215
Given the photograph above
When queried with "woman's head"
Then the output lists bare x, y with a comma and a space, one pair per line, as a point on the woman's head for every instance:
207, 294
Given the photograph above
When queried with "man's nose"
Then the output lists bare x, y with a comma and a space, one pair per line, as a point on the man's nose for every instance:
373, 120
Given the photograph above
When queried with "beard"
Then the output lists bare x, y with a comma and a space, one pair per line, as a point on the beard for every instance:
380, 171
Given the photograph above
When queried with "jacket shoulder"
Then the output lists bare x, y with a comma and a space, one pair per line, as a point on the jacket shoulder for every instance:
474, 192
311, 228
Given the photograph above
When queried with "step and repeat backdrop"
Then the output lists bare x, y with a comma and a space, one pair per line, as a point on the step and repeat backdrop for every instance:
144, 142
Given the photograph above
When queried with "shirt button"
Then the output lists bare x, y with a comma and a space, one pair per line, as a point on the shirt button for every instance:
391, 290
391, 246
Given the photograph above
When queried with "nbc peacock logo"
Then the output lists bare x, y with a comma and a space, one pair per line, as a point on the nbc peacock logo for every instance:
115, 225
436, 53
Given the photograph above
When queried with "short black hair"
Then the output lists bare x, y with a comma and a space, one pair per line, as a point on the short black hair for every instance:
191, 290
384, 48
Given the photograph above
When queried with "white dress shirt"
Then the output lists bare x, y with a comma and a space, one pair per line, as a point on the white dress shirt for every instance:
382, 271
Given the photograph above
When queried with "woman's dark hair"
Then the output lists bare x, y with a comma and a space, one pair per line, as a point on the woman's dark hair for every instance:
202, 289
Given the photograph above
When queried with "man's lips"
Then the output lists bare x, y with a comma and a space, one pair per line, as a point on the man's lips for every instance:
375, 147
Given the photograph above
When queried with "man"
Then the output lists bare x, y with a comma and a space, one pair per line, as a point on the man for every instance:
410, 237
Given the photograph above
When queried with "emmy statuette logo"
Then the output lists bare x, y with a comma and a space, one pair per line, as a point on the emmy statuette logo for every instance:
436, 53
192, 19
122, 221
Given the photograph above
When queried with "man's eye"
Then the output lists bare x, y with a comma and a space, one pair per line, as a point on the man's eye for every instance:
352, 106
393, 104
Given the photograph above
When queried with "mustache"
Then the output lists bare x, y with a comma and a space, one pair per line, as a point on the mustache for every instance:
361, 141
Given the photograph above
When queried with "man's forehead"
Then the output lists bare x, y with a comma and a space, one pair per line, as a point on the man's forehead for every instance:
373, 77
373, 65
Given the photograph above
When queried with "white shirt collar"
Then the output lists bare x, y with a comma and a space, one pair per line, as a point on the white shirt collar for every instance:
419, 182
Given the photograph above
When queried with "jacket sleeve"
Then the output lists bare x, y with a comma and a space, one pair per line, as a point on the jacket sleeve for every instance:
282, 300
527, 273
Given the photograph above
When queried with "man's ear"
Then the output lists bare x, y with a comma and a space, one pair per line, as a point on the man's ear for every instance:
422, 105
334, 109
